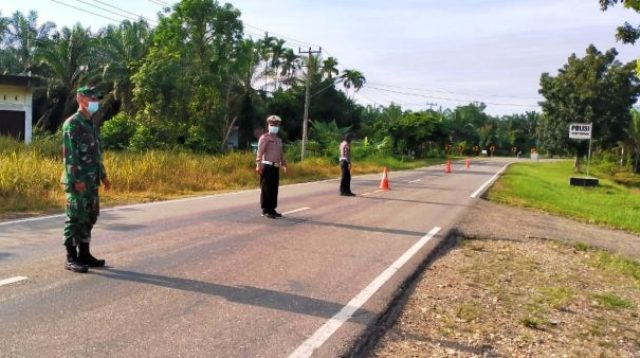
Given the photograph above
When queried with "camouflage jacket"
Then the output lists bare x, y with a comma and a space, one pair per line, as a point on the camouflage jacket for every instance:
81, 153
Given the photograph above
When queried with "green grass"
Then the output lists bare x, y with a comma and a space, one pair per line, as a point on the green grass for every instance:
554, 297
545, 186
616, 263
612, 301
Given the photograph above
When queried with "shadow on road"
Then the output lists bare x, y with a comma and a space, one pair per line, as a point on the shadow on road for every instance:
355, 227
4, 255
248, 295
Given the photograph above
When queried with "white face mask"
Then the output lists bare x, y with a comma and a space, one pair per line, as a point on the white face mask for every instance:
93, 107
273, 129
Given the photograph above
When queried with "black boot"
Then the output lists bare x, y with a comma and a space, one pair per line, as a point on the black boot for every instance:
72, 263
86, 258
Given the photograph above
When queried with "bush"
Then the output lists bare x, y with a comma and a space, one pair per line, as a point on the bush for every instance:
117, 132
435, 153
143, 139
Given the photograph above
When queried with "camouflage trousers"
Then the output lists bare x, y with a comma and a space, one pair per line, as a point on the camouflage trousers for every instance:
82, 213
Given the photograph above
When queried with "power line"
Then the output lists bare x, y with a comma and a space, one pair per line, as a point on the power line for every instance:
107, 10
125, 11
281, 36
452, 92
158, 2
85, 11
450, 99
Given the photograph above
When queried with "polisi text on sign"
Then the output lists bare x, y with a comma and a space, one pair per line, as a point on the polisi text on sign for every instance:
580, 130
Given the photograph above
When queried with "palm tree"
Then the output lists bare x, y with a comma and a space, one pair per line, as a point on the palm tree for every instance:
3, 27
265, 47
290, 66
123, 48
240, 92
65, 61
330, 67
22, 38
353, 78
277, 49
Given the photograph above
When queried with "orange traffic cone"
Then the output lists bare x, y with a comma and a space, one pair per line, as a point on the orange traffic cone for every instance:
384, 182
467, 163
447, 168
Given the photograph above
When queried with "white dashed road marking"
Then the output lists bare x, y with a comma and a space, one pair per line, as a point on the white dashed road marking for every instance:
373, 192
414, 181
11, 280
296, 210
307, 348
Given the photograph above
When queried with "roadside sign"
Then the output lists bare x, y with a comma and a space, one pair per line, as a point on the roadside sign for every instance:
580, 131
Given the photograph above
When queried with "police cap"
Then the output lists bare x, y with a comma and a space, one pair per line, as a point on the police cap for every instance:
273, 119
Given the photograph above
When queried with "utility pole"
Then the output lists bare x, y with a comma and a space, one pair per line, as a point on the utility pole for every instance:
431, 105
307, 98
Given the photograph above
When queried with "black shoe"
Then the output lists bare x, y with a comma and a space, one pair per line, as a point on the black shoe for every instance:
85, 257
75, 266
277, 214
270, 215
347, 194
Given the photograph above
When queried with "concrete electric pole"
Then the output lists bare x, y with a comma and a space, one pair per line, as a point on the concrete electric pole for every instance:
307, 97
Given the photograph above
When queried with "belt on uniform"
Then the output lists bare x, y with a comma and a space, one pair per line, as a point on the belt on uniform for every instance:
270, 163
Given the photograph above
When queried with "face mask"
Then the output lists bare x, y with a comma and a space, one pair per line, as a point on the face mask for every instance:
93, 107
273, 129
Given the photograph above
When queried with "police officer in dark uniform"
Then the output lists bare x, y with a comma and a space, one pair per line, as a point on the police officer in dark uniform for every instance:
269, 159
345, 166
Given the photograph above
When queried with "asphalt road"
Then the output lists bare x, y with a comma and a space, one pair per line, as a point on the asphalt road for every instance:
210, 277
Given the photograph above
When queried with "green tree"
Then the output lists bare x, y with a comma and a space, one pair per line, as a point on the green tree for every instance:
413, 131
21, 41
182, 87
626, 33
66, 62
353, 78
123, 48
594, 89
290, 65
330, 67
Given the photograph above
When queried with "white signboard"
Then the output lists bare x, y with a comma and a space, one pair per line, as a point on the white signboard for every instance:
580, 131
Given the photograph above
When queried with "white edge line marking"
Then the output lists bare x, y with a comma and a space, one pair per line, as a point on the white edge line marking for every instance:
307, 348
297, 210
414, 181
488, 182
11, 280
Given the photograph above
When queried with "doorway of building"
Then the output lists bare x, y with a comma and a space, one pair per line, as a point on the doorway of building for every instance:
12, 124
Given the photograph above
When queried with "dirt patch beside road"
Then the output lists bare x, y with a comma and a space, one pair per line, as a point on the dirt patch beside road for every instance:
506, 291
494, 221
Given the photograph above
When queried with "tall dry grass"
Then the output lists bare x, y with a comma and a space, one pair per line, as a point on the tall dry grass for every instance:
30, 174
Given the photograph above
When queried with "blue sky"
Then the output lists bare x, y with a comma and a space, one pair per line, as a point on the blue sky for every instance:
417, 53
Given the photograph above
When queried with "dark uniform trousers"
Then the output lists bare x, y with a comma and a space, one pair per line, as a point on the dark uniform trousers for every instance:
269, 181
345, 181
82, 213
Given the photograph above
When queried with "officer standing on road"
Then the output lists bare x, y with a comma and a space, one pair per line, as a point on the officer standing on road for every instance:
345, 166
82, 175
269, 159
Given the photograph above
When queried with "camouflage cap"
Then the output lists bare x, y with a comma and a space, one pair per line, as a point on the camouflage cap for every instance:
89, 91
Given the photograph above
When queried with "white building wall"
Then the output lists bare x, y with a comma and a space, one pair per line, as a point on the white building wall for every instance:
14, 98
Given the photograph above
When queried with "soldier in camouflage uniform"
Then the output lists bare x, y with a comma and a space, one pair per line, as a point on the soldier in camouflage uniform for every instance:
83, 173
